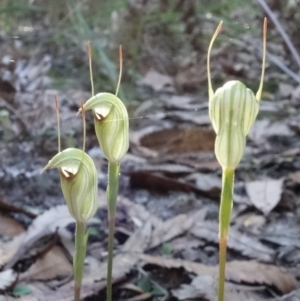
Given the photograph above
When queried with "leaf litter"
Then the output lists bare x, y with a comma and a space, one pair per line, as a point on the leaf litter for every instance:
246, 272
171, 150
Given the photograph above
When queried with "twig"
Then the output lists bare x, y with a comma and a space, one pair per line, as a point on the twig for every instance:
280, 30
271, 57
283, 67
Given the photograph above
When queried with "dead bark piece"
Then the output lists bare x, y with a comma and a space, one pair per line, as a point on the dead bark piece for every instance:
246, 272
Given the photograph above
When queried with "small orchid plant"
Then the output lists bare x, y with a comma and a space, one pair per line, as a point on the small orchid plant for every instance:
232, 110
112, 131
79, 184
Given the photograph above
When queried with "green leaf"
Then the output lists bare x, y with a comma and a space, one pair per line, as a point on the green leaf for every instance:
166, 248
145, 284
93, 231
158, 291
21, 290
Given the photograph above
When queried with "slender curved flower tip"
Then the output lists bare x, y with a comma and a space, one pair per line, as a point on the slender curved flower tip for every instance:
259, 91
79, 182
111, 124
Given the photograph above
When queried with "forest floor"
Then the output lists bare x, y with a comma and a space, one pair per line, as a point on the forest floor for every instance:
166, 240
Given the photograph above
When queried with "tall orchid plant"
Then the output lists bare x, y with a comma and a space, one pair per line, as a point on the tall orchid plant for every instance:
79, 184
112, 131
232, 110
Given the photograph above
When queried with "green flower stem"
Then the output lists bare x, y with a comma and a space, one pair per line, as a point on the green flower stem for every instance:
111, 195
224, 217
80, 243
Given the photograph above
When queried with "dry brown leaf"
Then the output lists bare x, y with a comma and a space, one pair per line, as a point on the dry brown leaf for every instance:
165, 231
10, 248
238, 241
207, 287
189, 266
140, 239
254, 272
265, 194
137, 213
250, 272
53, 264
161, 231
47, 223
186, 242
179, 140
9, 226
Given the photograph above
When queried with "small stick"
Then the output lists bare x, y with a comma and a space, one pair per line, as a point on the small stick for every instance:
280, 30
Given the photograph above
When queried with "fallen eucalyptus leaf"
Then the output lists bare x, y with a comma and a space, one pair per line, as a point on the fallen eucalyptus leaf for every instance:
265, 194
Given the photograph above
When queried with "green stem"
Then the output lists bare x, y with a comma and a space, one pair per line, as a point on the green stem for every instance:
78, 262
224, 224
111, 195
